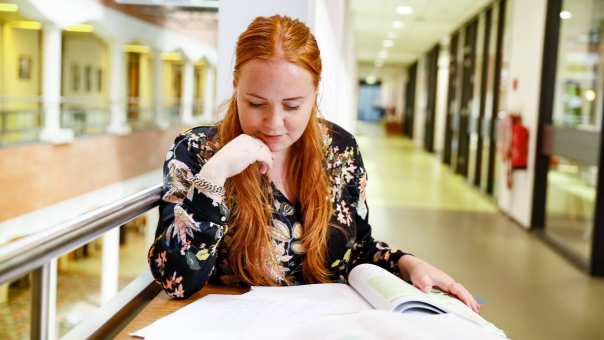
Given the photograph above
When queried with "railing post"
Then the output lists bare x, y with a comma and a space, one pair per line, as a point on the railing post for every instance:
40, 302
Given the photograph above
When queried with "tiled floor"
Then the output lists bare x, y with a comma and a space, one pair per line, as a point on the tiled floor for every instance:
420, 206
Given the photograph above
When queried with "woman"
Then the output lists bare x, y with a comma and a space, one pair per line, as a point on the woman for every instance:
272, 195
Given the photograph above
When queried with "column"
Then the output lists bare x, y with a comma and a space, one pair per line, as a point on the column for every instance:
151, 220
52, 301
186, 107
110, 264
51, 88
118, 123
209, 94
160, 117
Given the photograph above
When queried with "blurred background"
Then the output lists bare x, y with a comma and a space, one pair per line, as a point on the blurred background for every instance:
480, 123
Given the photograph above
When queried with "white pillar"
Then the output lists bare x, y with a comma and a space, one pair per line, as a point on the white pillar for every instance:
110, 265
158, 64
151, 220
52, 301
186, 105
51, 88
117, 96
209, 94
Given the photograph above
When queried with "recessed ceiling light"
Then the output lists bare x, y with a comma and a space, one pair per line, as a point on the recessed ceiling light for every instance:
391, 35
590, 95
405, 10
397, 24
383, 54
388, 43
565, 15
8, 7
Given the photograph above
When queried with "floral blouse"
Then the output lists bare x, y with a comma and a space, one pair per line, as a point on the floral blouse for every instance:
193, 236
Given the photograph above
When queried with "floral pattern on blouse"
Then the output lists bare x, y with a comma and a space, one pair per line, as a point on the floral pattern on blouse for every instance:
192, 238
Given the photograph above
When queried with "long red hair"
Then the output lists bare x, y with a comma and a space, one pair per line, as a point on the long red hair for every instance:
248, 193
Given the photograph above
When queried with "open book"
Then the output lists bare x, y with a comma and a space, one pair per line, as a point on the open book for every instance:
375, 305
385, 291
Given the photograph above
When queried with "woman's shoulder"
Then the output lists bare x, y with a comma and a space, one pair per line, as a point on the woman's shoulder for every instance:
202, 132
337, 136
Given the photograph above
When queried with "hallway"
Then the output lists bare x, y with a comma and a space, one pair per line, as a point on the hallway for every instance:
420, 206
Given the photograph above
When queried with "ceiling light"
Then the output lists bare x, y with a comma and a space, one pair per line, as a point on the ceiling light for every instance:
405, 10
590, 95
565, 15
134, 48
391, 35
8, 8
26, 25
171, 56
388, 43
383, 54
84, 28
397, 24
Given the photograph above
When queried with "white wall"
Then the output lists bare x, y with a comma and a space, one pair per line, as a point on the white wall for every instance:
525, 50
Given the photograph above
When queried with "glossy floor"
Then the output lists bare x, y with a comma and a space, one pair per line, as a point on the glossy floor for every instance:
420, 206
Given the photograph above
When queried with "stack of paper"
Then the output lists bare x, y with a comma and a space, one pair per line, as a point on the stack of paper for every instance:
319, 311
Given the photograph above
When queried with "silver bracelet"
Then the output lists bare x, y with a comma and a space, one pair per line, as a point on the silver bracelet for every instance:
204, 185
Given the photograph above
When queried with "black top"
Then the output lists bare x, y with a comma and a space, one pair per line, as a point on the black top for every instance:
192, 237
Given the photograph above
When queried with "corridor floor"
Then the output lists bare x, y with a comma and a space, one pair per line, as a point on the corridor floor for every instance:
420, 206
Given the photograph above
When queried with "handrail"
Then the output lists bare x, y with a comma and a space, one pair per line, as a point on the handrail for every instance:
35, 253
24, 255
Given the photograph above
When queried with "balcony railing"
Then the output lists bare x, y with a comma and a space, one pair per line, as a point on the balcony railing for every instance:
34, 254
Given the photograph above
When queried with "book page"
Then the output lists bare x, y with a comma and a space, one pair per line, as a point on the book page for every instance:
382, 289
386, 291
328, 298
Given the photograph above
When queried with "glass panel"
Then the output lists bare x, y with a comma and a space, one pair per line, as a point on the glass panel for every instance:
578, 96
15, 308
78, 285
571, 187
571, 195
135, 239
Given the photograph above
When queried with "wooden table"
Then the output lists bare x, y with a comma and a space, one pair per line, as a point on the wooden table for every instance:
162, 305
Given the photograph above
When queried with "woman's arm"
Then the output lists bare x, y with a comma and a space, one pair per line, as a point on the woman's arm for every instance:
191, 224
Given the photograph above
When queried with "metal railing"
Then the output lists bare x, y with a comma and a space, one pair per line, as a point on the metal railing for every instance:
34, 254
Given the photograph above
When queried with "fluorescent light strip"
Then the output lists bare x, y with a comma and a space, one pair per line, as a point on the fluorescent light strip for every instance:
4, 7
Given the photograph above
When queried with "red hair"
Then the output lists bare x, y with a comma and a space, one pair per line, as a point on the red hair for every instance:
248, 193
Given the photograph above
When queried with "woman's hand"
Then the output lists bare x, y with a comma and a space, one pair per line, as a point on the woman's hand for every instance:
235, 157
424, 276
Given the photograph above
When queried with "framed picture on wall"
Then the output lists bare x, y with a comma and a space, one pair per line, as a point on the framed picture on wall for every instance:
24, 69
75, 77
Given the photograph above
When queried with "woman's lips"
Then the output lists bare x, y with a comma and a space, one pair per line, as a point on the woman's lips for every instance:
270, 138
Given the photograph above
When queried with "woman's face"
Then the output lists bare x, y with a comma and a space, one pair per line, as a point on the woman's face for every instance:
274, 100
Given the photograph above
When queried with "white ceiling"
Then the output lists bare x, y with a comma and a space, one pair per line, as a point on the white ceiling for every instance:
431, 21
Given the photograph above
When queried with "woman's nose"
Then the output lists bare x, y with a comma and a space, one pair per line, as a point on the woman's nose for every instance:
274, 118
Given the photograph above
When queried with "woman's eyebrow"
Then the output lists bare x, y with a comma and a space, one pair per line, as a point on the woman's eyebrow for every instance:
285, 99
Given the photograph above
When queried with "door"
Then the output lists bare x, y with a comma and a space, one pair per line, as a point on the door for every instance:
569, 201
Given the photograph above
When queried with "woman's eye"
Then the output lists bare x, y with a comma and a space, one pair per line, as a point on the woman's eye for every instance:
292, 108
255, 104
